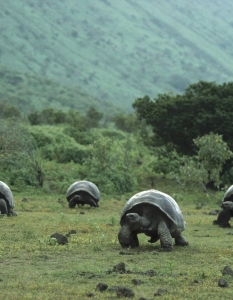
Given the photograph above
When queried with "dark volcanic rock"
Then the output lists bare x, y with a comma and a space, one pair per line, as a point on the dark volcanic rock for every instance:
227, 271
71, 232
44, 256
222, 283
119, 268
125, 292
214, 212
136, 281
61, 239
160, 292
126, 253
101, 287
150, 273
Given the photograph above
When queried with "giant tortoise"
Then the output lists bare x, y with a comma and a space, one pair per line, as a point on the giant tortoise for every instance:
155, 214
83, 192
6, 200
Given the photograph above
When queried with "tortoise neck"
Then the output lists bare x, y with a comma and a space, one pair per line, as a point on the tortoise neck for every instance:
145, 222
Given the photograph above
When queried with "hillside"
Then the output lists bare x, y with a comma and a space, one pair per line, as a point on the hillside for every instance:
33, 93
119, 50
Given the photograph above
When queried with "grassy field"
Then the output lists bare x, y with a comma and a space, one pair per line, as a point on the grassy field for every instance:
32, 266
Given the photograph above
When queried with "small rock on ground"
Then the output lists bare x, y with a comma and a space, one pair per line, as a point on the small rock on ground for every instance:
222, 283
160, 292
136, 281
101, 287
214, 212
119, 268
125, 292
227, 271
61, 239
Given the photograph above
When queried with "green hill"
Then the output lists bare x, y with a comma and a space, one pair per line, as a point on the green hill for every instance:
119, 50
32, 93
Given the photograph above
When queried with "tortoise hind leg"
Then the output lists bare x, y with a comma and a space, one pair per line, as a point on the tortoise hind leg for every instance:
12, 213
180, 241
3, 207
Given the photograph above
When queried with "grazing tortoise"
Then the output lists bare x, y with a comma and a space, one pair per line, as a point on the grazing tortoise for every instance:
155, 214
83, 192
226, 212
6, 200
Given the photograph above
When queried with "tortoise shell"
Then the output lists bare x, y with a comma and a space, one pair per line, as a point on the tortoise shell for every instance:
228, 196
156, 198
85, 186
6, 194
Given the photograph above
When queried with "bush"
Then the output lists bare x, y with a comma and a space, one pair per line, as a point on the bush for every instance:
110, 181
8, 111
107, 168
19, 158
81, 137
55, 145
76, 153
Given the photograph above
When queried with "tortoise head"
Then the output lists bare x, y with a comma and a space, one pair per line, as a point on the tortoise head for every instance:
134, 220
228, 205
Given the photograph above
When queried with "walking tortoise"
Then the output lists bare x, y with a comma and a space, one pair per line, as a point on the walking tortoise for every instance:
83, 192
155, 214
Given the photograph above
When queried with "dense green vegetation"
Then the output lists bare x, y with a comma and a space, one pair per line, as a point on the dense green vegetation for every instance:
169, 136
118, 51
178, 119
31, 147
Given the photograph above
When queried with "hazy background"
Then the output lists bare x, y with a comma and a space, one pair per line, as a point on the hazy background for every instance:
116, 51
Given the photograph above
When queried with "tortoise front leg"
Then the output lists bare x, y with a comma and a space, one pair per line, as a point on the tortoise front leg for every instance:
223, 219
165, 236
73, 201
134, 242
127, 238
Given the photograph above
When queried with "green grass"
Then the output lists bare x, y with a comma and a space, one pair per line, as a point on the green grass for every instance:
31, 267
